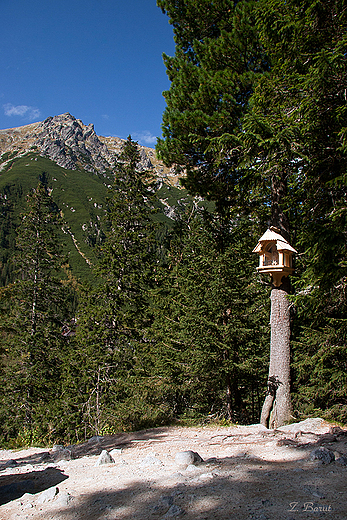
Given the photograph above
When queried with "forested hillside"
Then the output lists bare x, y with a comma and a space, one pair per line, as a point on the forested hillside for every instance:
127, 301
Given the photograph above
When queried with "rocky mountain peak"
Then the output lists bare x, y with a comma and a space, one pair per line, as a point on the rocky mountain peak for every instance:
73, 145
69, 143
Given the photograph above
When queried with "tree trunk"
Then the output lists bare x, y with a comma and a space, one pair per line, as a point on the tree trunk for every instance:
279, 218
276, 409
277, 405
229, 398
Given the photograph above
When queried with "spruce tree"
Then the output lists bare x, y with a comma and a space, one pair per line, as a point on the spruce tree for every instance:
214, 76
114, 316
295, 132
34, 309
209, 308
218, 58
10, 196
283, 144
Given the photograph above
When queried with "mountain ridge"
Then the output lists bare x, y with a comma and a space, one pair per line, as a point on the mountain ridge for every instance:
73, 145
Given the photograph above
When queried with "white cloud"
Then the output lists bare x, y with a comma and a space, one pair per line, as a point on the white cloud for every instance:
145, 138
30, 113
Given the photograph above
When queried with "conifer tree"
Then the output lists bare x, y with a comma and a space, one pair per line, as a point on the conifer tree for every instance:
208, 313
9, 197
295, 132
214, 73
217, 61
284, 151
114, 316
34, 308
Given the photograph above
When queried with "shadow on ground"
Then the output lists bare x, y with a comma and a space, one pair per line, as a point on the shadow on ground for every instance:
15, 486
95, 445
230, 488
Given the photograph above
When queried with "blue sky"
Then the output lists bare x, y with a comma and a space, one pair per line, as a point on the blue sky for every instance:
100, 60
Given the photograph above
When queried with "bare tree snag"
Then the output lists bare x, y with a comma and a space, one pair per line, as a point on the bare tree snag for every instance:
276, 259
276, 409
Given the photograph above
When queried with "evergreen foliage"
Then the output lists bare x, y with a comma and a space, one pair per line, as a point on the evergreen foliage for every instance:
114, 317
279, 69
320, 356
173, 322
297, 128
80, 196
9, 199
217, 60
34, 308
209, 320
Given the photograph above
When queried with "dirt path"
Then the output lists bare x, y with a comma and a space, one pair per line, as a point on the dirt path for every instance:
247, 473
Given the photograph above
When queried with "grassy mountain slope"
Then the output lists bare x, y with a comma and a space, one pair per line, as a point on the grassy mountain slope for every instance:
79, 195
81, 198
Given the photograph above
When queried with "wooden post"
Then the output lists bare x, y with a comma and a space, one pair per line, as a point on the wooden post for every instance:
275, 254
276, 409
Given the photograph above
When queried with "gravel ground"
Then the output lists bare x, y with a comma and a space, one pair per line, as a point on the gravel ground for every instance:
247, 473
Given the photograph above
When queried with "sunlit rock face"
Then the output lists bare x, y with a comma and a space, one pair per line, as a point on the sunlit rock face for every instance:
73, 145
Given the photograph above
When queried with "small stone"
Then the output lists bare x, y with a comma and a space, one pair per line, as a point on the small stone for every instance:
184, 458
150, 460
322, 454
48, 495
177, 477
341, 460
104, 458
61, 453
191, 468
174, 511
206, 476
64, 499
29, 505
95, 439
57, 447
